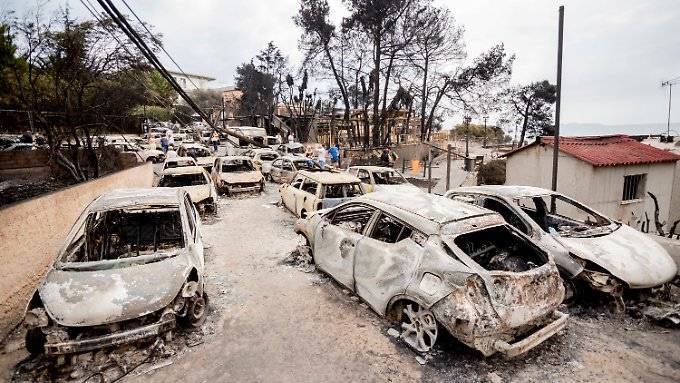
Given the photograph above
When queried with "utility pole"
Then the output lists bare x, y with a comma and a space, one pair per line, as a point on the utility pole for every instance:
224, 114
467, 120
556, 143
484, 143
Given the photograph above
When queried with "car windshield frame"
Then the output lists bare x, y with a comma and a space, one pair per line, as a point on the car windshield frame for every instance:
77, 234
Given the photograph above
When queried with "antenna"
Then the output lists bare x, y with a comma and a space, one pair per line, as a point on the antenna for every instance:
669, 84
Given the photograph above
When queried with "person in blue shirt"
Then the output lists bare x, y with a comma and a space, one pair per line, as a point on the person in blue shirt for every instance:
334, 152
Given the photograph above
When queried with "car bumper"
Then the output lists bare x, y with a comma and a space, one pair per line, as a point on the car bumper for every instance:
115, 339
511, 350
242, 189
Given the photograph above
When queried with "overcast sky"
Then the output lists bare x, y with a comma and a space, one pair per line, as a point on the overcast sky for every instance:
616, 52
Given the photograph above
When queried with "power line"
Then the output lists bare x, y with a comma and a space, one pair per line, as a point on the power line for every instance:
158, 44
139, 78
122, 23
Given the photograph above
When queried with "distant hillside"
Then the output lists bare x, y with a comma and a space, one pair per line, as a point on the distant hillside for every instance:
588, 129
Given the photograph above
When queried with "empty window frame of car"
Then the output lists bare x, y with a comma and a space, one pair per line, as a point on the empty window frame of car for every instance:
388, 177
389, 229
310, 186
237, 165
126, 233
307, 164
364, 176
500, 248
342, 190
181, 180
268, 156
352, 217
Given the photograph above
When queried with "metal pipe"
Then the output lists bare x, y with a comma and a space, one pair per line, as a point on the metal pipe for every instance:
556, 143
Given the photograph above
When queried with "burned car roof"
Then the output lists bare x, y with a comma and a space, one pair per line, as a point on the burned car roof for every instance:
184, 170
328, 178
139, 196
429, 206
508, 191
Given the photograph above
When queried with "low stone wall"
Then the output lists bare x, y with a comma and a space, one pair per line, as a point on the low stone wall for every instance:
23, 159
33, 231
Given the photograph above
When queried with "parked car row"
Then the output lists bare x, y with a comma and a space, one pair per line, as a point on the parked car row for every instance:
488, 264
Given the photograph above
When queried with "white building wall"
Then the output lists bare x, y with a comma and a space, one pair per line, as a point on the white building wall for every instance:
599, 187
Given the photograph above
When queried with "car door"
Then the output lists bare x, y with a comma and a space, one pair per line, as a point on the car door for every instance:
305, 200
195, 240
290, 193
335, 239
275, 173
287, 171
385, 260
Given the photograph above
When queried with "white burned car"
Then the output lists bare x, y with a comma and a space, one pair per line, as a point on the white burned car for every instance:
132, 266
432, 263
196, 181
311, 191
178, 162
610, 256
379, 178
236, 174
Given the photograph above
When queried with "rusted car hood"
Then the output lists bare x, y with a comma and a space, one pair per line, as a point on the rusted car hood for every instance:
627, 254
91, 298
241, 177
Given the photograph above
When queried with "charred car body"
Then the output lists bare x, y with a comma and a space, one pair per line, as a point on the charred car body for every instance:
236, 174
311, 191
379, 178
611, 257
131, 267
428, 261
195, 181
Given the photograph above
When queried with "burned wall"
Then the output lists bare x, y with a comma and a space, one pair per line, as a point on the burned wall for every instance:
33, 231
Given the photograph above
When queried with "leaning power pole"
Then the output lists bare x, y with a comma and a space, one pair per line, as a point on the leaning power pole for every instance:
556, 143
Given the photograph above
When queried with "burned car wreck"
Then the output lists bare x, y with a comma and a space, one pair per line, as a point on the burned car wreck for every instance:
610, 257
132, 268
431, 263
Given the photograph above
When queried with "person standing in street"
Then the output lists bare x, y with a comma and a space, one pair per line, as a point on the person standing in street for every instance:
322, 157
164, 144
278, 138
215, 140
291, 138
334, 152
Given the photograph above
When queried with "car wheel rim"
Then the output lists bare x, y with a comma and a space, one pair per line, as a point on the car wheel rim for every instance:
198, 309
419, 328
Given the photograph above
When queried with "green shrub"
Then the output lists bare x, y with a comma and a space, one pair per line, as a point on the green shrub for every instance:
491, 173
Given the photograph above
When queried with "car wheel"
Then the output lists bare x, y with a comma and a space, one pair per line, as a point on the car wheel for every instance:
419, 327
35, 341
196, 312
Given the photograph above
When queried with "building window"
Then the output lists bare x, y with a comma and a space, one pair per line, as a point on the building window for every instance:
633, 187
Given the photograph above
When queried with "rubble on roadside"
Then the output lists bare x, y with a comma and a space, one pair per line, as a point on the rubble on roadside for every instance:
301, 259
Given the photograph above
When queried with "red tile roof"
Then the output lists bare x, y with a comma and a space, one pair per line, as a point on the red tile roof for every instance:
614, 150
